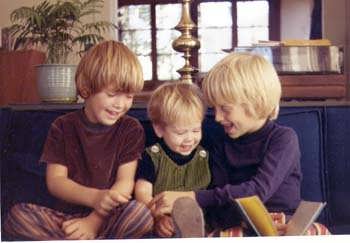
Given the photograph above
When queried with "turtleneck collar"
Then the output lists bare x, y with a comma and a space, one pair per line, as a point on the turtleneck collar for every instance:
176, 157
96, 127
257, 135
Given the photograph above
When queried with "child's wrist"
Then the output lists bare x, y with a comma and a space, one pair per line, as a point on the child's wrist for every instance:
96, 217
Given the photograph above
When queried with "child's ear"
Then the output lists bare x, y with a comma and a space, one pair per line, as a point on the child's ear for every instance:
158, 129
84, 92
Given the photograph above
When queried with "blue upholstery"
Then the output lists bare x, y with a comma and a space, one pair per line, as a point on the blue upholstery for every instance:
338, 167
324, 136
309, 127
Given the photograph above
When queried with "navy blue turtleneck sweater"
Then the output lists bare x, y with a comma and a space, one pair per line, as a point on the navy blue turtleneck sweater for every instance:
265, 163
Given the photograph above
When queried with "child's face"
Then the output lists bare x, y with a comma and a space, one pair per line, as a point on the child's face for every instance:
236, 121
107, 106
181, 138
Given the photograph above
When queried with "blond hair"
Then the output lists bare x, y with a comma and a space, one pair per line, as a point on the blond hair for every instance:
109, 64
176, 102
246, 79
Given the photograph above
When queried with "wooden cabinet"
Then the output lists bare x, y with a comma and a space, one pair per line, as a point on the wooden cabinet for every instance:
313, 87
18, 76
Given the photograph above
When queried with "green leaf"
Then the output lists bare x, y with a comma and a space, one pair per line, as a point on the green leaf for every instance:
58, 26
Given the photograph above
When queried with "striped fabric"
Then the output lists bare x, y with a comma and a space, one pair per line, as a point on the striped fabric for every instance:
34, 222
294, 59
314, 229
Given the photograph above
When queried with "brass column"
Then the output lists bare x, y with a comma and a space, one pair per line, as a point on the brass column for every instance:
186, 42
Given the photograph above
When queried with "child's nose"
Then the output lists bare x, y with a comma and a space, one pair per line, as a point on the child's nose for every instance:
189, 137
218, 116
119, 103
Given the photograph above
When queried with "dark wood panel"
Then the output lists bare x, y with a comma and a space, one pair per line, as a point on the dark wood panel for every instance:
18, 77
330, 86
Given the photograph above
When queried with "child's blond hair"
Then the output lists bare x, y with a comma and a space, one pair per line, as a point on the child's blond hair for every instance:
246, 79
109, 64
176, 102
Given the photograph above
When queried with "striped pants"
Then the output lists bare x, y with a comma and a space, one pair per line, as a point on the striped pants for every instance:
34, 222
314, 229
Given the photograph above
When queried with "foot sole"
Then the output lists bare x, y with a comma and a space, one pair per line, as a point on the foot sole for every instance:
188, 218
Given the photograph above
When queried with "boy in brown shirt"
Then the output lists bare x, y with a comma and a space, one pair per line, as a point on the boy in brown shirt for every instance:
91, 157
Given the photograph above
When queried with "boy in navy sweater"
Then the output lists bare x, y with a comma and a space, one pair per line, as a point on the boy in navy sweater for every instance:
256, 156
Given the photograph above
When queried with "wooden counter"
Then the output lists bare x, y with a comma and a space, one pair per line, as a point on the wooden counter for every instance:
18, 76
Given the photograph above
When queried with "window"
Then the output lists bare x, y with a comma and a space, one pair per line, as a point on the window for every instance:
147, 28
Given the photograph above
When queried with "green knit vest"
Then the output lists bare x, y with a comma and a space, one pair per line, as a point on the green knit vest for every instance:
191, 176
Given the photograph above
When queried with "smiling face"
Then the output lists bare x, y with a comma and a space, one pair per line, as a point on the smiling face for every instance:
181, 138
107, 106
236, 121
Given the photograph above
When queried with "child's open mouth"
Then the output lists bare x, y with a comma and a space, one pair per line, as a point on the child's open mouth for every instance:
112, 114
229, 128
186, 148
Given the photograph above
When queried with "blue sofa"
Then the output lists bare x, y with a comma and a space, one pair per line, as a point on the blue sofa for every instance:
324, 135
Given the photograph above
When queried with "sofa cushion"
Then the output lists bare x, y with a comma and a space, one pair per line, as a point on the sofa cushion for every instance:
27, 136
338, 166
308, 125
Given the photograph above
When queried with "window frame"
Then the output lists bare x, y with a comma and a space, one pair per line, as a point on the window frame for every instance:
274, 29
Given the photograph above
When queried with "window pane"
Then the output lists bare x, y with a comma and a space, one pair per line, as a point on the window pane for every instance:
208, 60
168, 60
167, 15
135, 26
216, 14
215, 39
165, 39
252, 13
249, 36
146, 64
214, 32
167, 66
252, 21
139, 41
135, 17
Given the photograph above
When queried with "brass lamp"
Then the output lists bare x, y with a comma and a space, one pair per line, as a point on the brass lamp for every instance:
186, 42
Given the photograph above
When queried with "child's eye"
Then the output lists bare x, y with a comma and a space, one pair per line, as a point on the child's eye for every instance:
109, 94
130, 96
225, 108
179, 132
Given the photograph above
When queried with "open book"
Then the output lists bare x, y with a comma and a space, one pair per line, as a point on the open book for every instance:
261, 221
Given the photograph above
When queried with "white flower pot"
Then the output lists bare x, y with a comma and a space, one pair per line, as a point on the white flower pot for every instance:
56, 83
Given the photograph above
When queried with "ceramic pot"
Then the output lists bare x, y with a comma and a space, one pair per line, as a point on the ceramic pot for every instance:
56, 83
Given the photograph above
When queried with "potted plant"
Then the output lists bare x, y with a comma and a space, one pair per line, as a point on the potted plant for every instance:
60, 28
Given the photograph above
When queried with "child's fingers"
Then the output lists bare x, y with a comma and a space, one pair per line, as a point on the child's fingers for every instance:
118, 197
281, 228
155, 200
66, 223
108, 204
163, 231
76, 235
278, 218
70, 229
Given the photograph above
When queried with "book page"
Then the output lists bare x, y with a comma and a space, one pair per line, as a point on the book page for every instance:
304, 216
257, 215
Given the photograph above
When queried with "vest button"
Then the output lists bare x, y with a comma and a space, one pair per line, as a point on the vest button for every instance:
202, 153
155, 149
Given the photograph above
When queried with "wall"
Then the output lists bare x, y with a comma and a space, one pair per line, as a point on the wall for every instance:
107, 13
296, 19
336, 27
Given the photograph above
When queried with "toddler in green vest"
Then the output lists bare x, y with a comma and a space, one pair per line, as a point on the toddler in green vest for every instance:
176, 162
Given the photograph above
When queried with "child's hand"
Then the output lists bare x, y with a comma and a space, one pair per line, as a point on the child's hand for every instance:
109, 199
80, 229
280, 221
164, 226
164, 201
